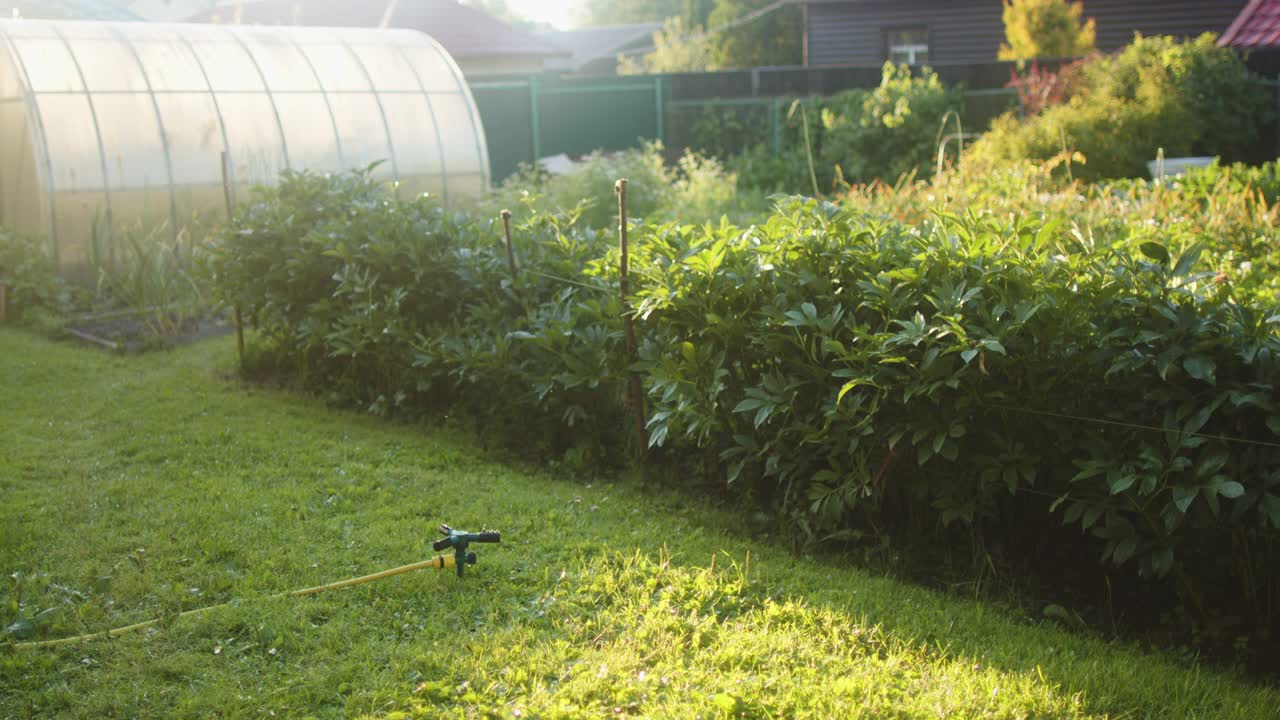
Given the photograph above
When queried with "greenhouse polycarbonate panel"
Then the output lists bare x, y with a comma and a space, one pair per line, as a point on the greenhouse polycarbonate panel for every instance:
282, 63
306, 117
391, 71
361, 129
118, 129
226, 63
433, 68
105, 61
413, 134
169, 61
463, 157
338, 69
49, 64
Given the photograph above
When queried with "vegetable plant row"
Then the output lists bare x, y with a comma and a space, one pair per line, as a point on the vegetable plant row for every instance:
1004, 381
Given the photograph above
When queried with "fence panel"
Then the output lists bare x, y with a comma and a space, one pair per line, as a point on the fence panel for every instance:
529, 117
507, 116
577, 117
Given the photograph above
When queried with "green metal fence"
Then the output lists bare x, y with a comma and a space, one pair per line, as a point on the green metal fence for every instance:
540, 115
530, 117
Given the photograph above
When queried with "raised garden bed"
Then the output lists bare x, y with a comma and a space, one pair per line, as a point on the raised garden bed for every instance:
133, 331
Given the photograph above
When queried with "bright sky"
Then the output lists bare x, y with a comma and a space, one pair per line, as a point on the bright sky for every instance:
559, 13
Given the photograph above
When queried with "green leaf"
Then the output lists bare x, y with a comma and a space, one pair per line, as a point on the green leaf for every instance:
968, 355
1183, 497
1124, 550
726, 703
994, 346
748, 405
45, 616
1091, 516
22, 629
1231, 489
658, 436
1188, 259
689, 352
1200, 368
1162, 561
1155, 251
1122, 483
850, 386
1273, 424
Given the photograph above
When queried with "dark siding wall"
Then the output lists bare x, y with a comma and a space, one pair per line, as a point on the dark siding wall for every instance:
967, 31
1118, 20
852, 33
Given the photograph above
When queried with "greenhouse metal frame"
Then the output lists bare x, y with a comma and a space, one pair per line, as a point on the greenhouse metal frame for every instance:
117, 130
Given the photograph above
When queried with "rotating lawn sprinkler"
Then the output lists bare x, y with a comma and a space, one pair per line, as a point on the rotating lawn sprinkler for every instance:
459, 540
456, 539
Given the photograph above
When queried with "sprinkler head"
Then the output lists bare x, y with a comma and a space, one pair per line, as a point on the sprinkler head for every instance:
459, 539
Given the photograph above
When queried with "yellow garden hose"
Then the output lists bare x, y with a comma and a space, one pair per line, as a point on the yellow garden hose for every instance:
440, 562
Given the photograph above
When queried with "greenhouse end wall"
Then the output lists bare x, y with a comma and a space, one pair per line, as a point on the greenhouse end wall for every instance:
114, 131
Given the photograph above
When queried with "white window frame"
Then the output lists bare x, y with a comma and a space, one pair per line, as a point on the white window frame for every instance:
913, 51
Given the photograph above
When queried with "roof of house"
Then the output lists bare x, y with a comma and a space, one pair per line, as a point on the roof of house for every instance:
65, 9
464, 31
595, 43
1257, 26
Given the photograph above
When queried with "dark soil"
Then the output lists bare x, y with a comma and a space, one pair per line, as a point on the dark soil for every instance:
140, 332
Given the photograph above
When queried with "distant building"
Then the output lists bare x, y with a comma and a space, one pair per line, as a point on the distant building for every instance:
168, 10
480, 43
938, 32
595, 50
64, 10
1257, 27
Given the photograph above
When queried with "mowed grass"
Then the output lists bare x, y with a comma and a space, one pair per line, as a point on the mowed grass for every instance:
133, 488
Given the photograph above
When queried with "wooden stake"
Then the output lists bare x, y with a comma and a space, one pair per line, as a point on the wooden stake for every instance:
636, 394
230, 205
511, 253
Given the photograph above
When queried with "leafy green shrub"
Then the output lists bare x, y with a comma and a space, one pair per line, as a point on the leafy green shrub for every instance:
696, 184
340, 275
848, 369
889, 131
721, 131
787, 172
1045, 28
1230, 211
34, 288
1190, 98
400, 307
992, 376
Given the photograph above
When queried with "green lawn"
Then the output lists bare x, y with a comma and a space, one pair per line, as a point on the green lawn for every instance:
132, 488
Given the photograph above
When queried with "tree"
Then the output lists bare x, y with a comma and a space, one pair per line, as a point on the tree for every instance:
1045, 28
622, 12
677, 48
771, 38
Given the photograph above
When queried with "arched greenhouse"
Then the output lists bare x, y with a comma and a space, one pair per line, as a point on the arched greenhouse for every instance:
113, 129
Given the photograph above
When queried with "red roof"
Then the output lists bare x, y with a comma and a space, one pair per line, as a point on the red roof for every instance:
1257, 26
464, 31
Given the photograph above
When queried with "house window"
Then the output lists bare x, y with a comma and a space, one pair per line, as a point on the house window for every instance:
907, 45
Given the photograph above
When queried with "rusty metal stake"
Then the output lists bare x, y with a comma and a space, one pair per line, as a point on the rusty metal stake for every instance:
636, 394
511, 253
230, 205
